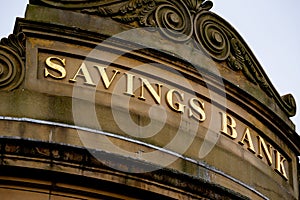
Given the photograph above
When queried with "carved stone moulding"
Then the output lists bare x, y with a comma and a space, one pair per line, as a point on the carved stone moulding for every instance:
25, 160
12, 55
71, 4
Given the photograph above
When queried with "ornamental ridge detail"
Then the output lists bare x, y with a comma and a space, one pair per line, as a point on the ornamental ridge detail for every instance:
181, 21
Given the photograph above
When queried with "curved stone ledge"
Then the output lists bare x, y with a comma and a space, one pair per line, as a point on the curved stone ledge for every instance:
24, 159
60, 148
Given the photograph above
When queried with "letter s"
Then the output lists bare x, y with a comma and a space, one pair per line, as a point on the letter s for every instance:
198, 107
56, 67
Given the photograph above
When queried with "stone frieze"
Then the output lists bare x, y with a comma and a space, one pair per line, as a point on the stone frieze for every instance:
183, 21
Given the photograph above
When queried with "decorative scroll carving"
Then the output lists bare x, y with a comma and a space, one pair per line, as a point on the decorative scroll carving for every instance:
290, 104
174, 18
212, 38
136, 10
12, 55
223, 44
239, 60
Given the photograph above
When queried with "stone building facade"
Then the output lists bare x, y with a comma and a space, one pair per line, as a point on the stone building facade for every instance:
139, 99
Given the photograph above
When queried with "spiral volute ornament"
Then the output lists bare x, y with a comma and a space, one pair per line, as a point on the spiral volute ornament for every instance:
211, 37
12, 69
174, 20
290, 104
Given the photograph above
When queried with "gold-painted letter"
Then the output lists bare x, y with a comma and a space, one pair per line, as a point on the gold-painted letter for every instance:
247, 138
279, 164
197, 106
60, 69
103, 74
155, 95
262, 146
83, 73
228, 123
129, 84
177, 107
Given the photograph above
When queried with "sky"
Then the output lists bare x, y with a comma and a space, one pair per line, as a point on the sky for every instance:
271, 28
